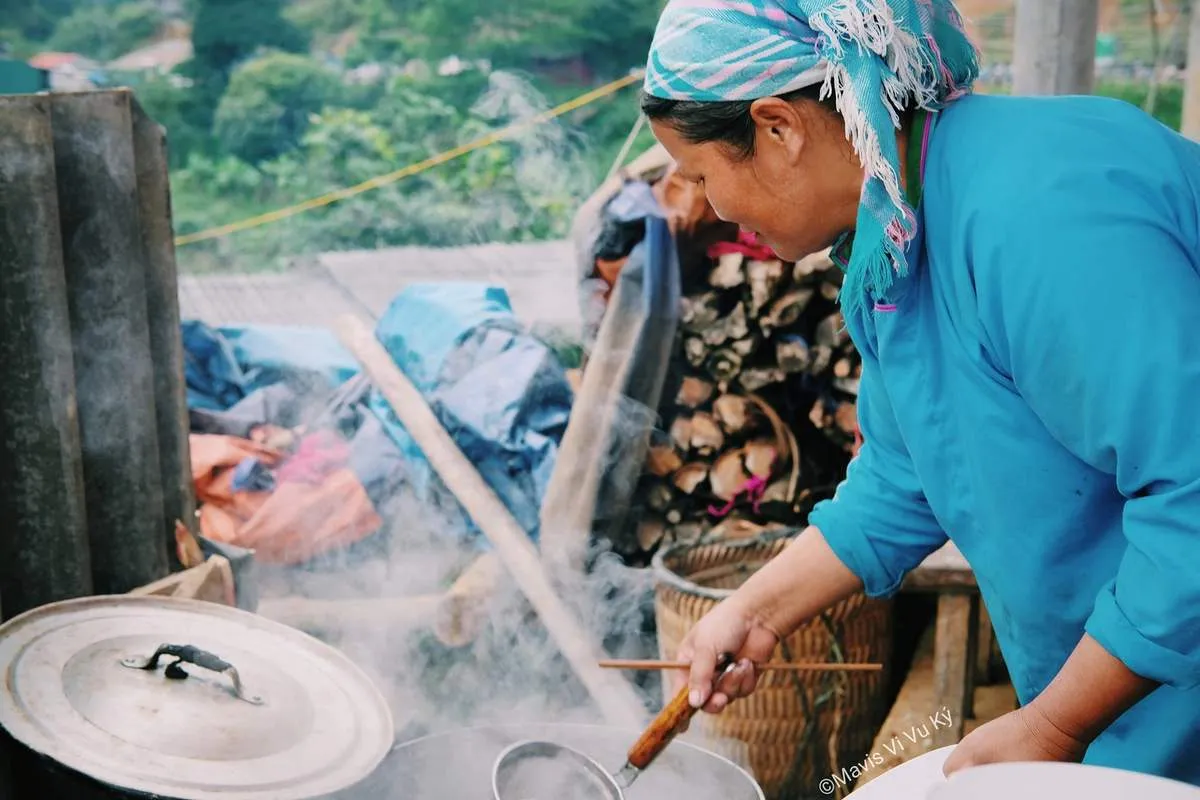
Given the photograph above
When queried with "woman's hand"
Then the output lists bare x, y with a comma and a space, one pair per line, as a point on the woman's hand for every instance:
1089, 693
1022, 735
728, 628
795, 586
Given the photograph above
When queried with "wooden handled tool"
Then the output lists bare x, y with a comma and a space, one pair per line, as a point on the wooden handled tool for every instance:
618, 663
665, 727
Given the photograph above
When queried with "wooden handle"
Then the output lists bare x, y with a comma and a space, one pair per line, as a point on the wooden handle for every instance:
616, 698
669, 722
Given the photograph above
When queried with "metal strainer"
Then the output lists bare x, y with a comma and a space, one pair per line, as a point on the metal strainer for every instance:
535, 770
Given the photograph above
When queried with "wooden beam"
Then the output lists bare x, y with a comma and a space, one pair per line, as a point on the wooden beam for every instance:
954, 663
1054, 47
611, 693
1191, 96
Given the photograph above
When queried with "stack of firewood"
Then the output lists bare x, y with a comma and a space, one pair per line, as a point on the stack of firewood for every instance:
758, 417
757, 420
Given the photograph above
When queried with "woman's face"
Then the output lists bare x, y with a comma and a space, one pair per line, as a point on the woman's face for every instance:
798, 191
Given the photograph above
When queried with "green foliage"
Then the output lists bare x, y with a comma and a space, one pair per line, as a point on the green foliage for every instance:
172, 105
104, 32
527, 187
266, 108
34, 19
1168, 102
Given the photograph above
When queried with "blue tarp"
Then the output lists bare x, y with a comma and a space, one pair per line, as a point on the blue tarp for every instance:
500, 392
225, 365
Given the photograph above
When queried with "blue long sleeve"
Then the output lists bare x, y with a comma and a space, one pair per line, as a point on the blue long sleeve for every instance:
879, 523
1097, 326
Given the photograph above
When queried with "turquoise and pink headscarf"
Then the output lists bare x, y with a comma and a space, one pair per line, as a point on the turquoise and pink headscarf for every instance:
873, 56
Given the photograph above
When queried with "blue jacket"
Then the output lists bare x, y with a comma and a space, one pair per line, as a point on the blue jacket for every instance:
1034, 395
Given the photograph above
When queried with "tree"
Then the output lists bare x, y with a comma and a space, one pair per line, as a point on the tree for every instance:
266, 109
103, 33
225, 33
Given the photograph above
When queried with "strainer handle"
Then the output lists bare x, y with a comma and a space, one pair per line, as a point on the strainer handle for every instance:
669, 722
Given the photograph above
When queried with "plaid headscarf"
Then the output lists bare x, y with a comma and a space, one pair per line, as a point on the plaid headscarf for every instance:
874, 56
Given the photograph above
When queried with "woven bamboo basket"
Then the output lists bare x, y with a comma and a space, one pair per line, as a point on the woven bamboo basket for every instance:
796, 728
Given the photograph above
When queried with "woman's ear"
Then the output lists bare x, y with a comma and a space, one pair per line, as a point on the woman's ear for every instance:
780, 125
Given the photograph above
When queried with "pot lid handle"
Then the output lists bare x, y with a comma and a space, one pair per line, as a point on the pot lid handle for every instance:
186, 653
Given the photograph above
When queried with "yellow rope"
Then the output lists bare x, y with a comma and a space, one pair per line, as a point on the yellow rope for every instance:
411, 169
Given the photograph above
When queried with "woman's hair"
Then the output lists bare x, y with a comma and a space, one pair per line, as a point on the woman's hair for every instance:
727, 122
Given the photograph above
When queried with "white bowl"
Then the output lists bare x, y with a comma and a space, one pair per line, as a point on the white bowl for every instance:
1055, 781
912, 780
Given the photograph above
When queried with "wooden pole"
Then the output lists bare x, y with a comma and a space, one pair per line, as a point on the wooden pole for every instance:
44, 553
104, 260
166, 342
1191, 97
1054, 48
615, 697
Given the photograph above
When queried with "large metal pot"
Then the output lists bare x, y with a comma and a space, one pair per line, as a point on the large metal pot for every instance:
457, 765
117, 697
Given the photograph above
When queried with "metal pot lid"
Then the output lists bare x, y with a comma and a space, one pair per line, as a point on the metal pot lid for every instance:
190, 700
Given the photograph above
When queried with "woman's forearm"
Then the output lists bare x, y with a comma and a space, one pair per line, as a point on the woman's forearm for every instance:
797, 585
1091, 690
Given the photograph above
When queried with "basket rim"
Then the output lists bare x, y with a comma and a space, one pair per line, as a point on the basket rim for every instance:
663, 575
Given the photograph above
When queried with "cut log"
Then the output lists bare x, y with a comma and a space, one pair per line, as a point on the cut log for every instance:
761, 458
659, 496
733, 412
698, 312
462, 611
764, 278
662, 459
786, 310
831, 331
707, 437
811, 265
695, 350
728, 475
728, 272
724, 364
734, 325
792, 353
820, 357
689, 477
650, 533
757, 378
694, 392
681, 433
747, 346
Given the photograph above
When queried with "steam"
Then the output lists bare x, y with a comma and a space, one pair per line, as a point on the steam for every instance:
512, 673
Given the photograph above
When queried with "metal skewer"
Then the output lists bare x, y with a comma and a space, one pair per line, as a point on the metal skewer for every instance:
620, 663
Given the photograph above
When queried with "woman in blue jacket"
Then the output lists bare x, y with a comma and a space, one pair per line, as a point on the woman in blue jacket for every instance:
1021, 281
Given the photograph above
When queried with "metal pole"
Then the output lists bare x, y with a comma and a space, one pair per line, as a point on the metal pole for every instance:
1191, 97
1054, 48
44, 543
106, 280
166, 343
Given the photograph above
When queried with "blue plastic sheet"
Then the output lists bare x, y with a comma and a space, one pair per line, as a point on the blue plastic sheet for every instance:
224, 365
500, 392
